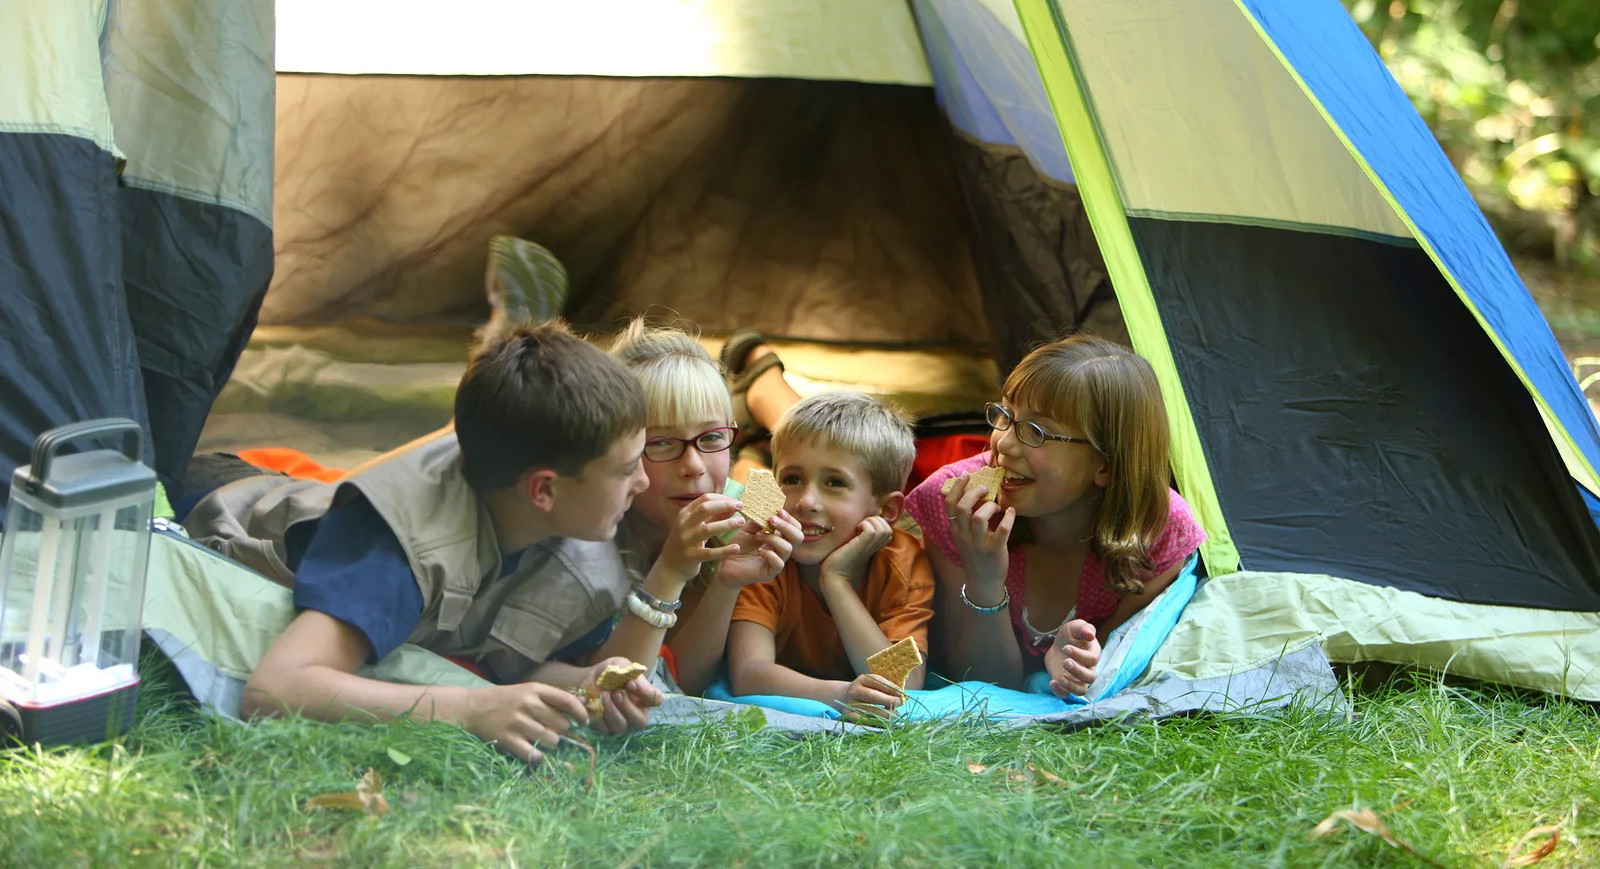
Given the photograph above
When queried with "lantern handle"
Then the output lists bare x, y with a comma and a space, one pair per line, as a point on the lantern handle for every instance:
46, 446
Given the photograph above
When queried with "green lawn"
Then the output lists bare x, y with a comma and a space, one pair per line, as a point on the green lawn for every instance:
1456, 773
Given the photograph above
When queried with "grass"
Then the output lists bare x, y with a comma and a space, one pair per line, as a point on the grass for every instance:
1457, 773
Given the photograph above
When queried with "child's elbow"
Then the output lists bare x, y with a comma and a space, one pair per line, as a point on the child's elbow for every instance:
259, 700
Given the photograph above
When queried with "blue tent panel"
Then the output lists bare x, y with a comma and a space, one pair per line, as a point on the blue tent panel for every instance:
1338, 65
988, 84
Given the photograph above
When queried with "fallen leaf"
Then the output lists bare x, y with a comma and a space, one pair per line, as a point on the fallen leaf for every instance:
1017, 777
1046, 775
399, 757
347, 800
367, 797
1544, 850
1367, 821
976, 768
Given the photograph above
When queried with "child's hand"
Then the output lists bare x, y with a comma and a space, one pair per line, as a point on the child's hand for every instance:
628, 707
982, 549
693, 536
870, 690
1072, 659
850, 560
761, 553
518, 718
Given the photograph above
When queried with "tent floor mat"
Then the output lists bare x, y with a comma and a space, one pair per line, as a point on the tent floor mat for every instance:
347, 392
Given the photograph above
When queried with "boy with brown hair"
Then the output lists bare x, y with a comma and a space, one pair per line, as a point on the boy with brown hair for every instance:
856, 584
490, 543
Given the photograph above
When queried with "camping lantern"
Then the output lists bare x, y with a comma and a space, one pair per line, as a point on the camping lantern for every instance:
72, 572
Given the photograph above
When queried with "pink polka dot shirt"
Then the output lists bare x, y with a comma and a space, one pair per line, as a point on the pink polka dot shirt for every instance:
1182, 536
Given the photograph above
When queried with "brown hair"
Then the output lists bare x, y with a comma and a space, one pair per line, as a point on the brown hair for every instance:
876, 433
1110, 393
540, 397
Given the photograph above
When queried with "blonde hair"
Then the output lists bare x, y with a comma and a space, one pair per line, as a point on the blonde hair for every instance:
876, 433
682, 383
1110, 393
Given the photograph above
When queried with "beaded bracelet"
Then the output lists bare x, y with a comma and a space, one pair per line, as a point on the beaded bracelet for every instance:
986, 610
648, 614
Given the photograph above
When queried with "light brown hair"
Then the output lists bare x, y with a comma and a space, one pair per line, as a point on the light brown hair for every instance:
1111, 394
541, 397
876, 433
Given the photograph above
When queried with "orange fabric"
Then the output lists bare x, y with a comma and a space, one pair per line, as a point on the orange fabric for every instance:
672, 662
898, 594
292, 462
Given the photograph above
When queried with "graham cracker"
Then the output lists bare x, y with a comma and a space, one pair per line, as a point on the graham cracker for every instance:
988, 476
762, 497
896, 662
618, 675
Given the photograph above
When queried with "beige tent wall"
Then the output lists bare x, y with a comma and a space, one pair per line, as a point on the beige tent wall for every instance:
814, 210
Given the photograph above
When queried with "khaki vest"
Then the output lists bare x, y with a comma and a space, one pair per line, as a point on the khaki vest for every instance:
561, 588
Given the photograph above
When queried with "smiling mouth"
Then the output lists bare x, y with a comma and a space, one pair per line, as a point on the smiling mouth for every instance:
814, 532
1014, 480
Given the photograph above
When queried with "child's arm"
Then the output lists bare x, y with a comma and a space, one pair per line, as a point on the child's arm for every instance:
753, 669
983, 646
1074, 656
1132, 603
691, 541
700, 639
310, 670
843, 572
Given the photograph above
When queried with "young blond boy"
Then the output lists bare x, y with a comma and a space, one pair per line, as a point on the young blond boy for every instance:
856, 584
490, 542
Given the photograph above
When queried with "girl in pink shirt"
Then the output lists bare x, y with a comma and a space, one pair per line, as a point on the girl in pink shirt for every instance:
1085, 531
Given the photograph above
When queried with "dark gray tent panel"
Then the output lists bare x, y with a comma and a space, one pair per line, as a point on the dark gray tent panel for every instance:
135, 209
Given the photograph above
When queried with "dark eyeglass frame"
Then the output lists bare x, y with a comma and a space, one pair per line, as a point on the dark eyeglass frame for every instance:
1029, 432
685, 443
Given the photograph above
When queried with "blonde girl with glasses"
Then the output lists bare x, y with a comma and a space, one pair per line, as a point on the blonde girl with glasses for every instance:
1085, 530
683, 539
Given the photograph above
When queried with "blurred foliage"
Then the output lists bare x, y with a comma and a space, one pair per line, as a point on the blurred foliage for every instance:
1512, 91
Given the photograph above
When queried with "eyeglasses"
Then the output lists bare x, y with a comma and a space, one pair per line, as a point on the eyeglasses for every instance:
666, 449
1028, 431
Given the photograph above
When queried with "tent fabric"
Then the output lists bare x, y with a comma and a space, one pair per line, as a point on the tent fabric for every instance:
1349, 426
135, 142
1277, 613
1349, 82
1333, 425
66, 342
1035, 254
190, 85
841, 40
819, 210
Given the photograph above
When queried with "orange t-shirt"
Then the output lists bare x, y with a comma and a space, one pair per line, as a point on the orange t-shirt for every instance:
898, 594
